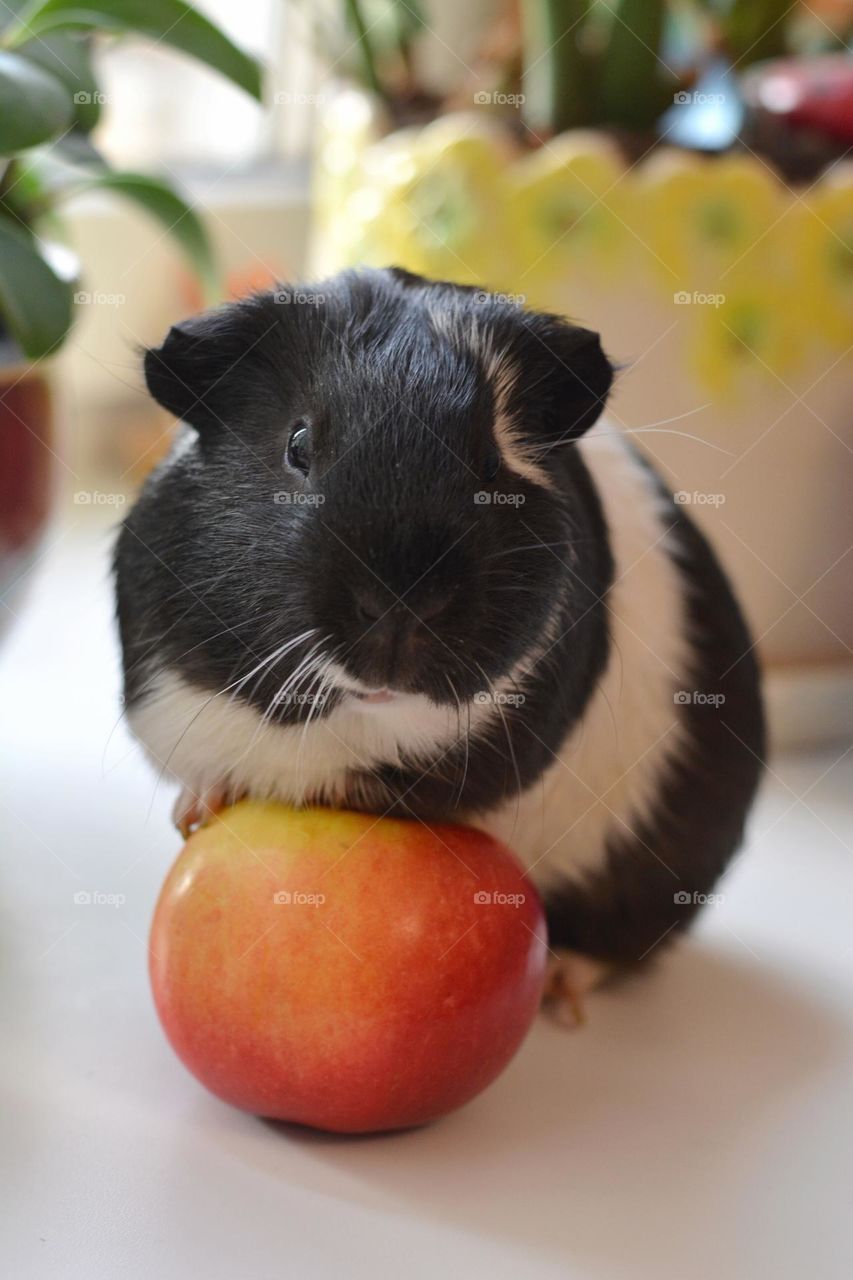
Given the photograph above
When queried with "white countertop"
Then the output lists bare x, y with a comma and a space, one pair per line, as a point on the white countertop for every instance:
700, 1127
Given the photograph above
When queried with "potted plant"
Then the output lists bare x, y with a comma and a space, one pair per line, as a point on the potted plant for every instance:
49, 105
721, 282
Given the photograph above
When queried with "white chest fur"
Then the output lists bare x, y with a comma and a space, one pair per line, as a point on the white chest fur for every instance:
205, 741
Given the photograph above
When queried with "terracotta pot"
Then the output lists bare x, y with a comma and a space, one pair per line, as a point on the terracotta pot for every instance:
26, 473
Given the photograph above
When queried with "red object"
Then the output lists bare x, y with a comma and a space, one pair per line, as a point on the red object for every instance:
25, 474
25, 458
346, 972
814, 93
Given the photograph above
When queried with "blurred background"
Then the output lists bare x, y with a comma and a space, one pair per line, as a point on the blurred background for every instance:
677, 175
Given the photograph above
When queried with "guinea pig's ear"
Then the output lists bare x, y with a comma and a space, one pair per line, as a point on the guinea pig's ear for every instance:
194, 372
407, 279
566, 375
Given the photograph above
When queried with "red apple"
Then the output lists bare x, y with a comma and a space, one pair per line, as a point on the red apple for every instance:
344, 971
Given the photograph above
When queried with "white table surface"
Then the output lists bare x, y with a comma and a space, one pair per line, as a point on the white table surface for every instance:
700, 1127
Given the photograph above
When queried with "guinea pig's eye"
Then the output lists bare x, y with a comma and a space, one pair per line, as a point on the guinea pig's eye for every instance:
298, 452
491, 464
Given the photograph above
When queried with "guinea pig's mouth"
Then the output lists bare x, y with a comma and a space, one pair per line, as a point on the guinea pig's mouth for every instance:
357, 691
369, 695
376, 697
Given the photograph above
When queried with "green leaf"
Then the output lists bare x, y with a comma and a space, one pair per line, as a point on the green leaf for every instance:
757, 29
68, 57
42, 174
34, 106
174, 214
394, 22
632, 75
171, 22
359, 29
409, 14
556, 71
35, 302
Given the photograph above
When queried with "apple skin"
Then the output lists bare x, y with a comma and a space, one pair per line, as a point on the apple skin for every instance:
385, 993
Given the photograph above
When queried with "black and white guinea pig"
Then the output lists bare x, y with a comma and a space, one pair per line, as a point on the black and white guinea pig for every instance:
393, 562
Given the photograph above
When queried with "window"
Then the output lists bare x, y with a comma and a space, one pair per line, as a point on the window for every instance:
162, 108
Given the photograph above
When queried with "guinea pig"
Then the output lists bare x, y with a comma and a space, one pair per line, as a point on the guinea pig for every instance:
396, 562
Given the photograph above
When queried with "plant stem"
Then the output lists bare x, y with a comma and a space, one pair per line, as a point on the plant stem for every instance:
554, 76
630, 91
360, 29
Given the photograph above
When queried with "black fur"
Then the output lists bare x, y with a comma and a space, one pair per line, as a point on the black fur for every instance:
383, 547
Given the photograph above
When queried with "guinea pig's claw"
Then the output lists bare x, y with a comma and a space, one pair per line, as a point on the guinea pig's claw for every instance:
192, 811
569, 980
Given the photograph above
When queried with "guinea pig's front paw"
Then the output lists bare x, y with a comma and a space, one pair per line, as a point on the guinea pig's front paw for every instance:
191, 811
569, 980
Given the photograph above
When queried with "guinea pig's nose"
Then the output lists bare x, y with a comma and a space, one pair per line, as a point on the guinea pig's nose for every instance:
368, 606
428, 607
372, 606
392, 630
